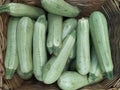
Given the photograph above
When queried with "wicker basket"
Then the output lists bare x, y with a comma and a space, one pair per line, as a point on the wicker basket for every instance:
111, 8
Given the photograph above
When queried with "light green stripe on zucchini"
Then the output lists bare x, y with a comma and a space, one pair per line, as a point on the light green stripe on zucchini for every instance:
11, 57
24, 44
54, 39
39, 47
83, 47
60, 7
21, 10
100, 37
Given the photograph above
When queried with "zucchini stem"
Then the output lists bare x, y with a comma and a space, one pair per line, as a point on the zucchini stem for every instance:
4, 8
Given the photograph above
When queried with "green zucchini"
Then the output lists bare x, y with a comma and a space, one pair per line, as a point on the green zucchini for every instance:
56, 65
20, 10
39, 47
68, 26
95, 68
73, 52
54, 39
11, 57
83, 47
99, 33
71, 80
73, 65
24, 76
24, 44
60, 7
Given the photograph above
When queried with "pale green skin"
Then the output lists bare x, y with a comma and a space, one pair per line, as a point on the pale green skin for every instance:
99, 33
24, 44
39, 47
55, 66
54, 39
60, 7
71, 80
22, 75
83, 47
68, 26
11, 57
21, 10
95, 70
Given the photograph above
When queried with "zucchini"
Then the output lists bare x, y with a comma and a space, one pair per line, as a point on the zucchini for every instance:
83, 47
24, 76
56, 65
24, 44
20, 10
60, 7
71, 80
54, 39
73, 65
68, 26
99, 33
95, 68
73, 52
39, 47
11, 57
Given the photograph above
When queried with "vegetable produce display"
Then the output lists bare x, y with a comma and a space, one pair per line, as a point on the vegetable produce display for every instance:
53, 46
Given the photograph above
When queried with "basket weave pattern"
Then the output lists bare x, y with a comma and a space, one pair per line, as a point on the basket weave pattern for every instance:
111, 9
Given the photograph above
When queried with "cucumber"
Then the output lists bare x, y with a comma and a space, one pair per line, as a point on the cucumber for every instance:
21, 10
24, 44
54, 39
25, 76
83, 47
99, 33
95, 70
60, 7
70, 80
56, 65
11, 57
39, 47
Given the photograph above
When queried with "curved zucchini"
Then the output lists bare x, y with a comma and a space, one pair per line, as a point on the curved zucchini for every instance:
11, 58
55, 66
60, 7
83, 47
20, 10
39, 47
24, 44
70, 80
99, 33
54, 39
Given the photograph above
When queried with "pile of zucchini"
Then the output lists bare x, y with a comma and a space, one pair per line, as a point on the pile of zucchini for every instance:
54, 46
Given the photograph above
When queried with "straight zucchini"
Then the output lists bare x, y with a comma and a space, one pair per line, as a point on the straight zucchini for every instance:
11, 57
39, 47
99, 33
20, 10
24, 44
95, 70
24, 76
68, 26
54, 39
83, 47
56, 65
60, 7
